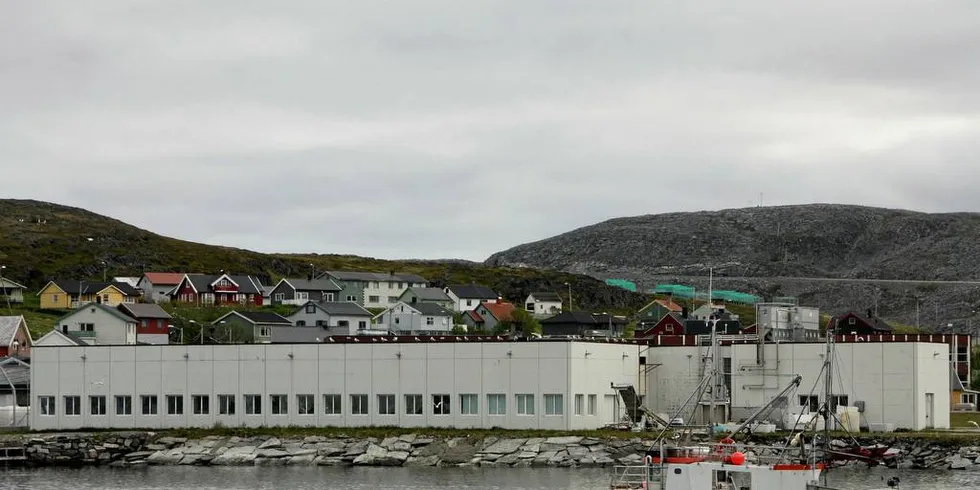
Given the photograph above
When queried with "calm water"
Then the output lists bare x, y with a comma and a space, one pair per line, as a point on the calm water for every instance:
296, 478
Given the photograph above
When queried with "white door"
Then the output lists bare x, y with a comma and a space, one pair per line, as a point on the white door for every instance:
930, 410
610, 409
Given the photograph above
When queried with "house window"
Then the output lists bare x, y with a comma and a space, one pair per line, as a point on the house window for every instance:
223, 283
301, 323
430, 321
319, 323
47, 405
263, 331
175, 404
253, 404
145, 323
374, 299
497, 404
413, 404
440, 404
851, 321
129, 300
73, 405
311, 309
86, 327
304, 404
386, 404
579, 404
391, 285
202, 404
124, 405
302, 296
468, 404
331, 405
329, 296
278, 297
280, 404
811, 402
359, 404
351, 298
525, 404
593, 401
343, 324
838, 401
392, 300
401, 285
362, 325
226, 404
149, 404
105, 299
54, 298
554, 405
97, 405
469, 302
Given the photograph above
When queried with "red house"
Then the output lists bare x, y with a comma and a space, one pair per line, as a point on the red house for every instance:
669, 324
852, 323
15, 338
222, 289
152, 322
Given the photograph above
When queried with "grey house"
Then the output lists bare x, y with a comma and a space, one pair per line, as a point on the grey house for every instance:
11, 291
417, 318
292, 291
373, 289
426, 295
332, 318
246, 327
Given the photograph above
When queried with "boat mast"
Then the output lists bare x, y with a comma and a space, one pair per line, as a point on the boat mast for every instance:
713, 372
828, 388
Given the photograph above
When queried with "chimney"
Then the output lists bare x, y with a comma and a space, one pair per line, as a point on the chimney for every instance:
499, 300
870, 315
684, 312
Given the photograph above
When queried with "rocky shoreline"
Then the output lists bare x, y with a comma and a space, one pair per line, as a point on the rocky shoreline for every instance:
148, 448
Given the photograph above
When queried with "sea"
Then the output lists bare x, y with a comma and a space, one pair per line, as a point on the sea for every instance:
303, 478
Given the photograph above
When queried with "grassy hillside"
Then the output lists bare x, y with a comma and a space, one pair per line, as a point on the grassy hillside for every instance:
41, 241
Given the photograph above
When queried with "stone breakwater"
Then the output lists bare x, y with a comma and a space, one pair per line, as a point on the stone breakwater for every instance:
147, 448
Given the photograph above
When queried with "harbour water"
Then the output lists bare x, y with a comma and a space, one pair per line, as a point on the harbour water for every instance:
308, 478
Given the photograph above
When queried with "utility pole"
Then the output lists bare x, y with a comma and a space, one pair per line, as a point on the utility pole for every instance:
569, 295
917, 313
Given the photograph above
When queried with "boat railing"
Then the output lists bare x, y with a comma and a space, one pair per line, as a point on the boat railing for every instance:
644, 477
721, 452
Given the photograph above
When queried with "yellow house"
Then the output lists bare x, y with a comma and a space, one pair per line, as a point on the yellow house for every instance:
63, 295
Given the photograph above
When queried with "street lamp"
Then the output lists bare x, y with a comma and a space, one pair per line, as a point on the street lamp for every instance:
312, 272
569, 295
105, 267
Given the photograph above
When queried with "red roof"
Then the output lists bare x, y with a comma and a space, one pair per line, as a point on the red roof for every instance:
475, 316
501, 311
164, 278
669, 304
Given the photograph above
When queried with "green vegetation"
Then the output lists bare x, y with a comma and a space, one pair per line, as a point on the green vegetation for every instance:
39, 321
521, 322
963, 419
73, 243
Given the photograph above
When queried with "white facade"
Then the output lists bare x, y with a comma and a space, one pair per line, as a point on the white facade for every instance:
536, 385
98, 326
336, 324
788, 322
403, 317
462, 305
540, 307
153, 338
383, 294
154, 293
901, 383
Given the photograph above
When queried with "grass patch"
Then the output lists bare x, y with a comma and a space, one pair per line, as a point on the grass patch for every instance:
963, 419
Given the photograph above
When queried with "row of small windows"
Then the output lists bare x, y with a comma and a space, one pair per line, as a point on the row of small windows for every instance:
469, 404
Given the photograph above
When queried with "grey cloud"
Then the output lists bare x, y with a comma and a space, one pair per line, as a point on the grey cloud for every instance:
446, 128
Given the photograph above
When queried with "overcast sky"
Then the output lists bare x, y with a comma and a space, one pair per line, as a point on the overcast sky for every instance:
433, 129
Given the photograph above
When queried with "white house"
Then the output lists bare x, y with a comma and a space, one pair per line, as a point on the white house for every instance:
901, 383
411, 318
99, 324
511, 385
333, 317
543, 304
467, 297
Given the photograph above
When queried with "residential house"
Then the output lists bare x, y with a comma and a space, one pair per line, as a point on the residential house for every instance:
293, 291
267, 293
656, 310
222, 289
426, 295
373, 289
15, 391
152, 322
63, 295
416, 318
708, 311
468, 296
787, 321
156, 286
333, 318
247, 327
56, 338
488, 315
15, 338
542, 303
11, 291
132, 281
584, 324
670, 324
99, 324
852, 323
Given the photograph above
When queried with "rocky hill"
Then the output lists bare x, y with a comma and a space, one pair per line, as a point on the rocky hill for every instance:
40, 241
754, 247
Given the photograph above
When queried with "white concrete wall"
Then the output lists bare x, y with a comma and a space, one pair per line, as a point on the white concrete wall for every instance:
427, 369
891, 378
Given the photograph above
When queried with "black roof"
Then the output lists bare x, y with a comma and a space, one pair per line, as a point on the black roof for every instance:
700, 327
259, 317
472, 291
543, 296
84, 287
430, 309
246, 284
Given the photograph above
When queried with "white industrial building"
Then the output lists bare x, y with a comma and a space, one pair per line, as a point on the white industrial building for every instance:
511, 385
904, 384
